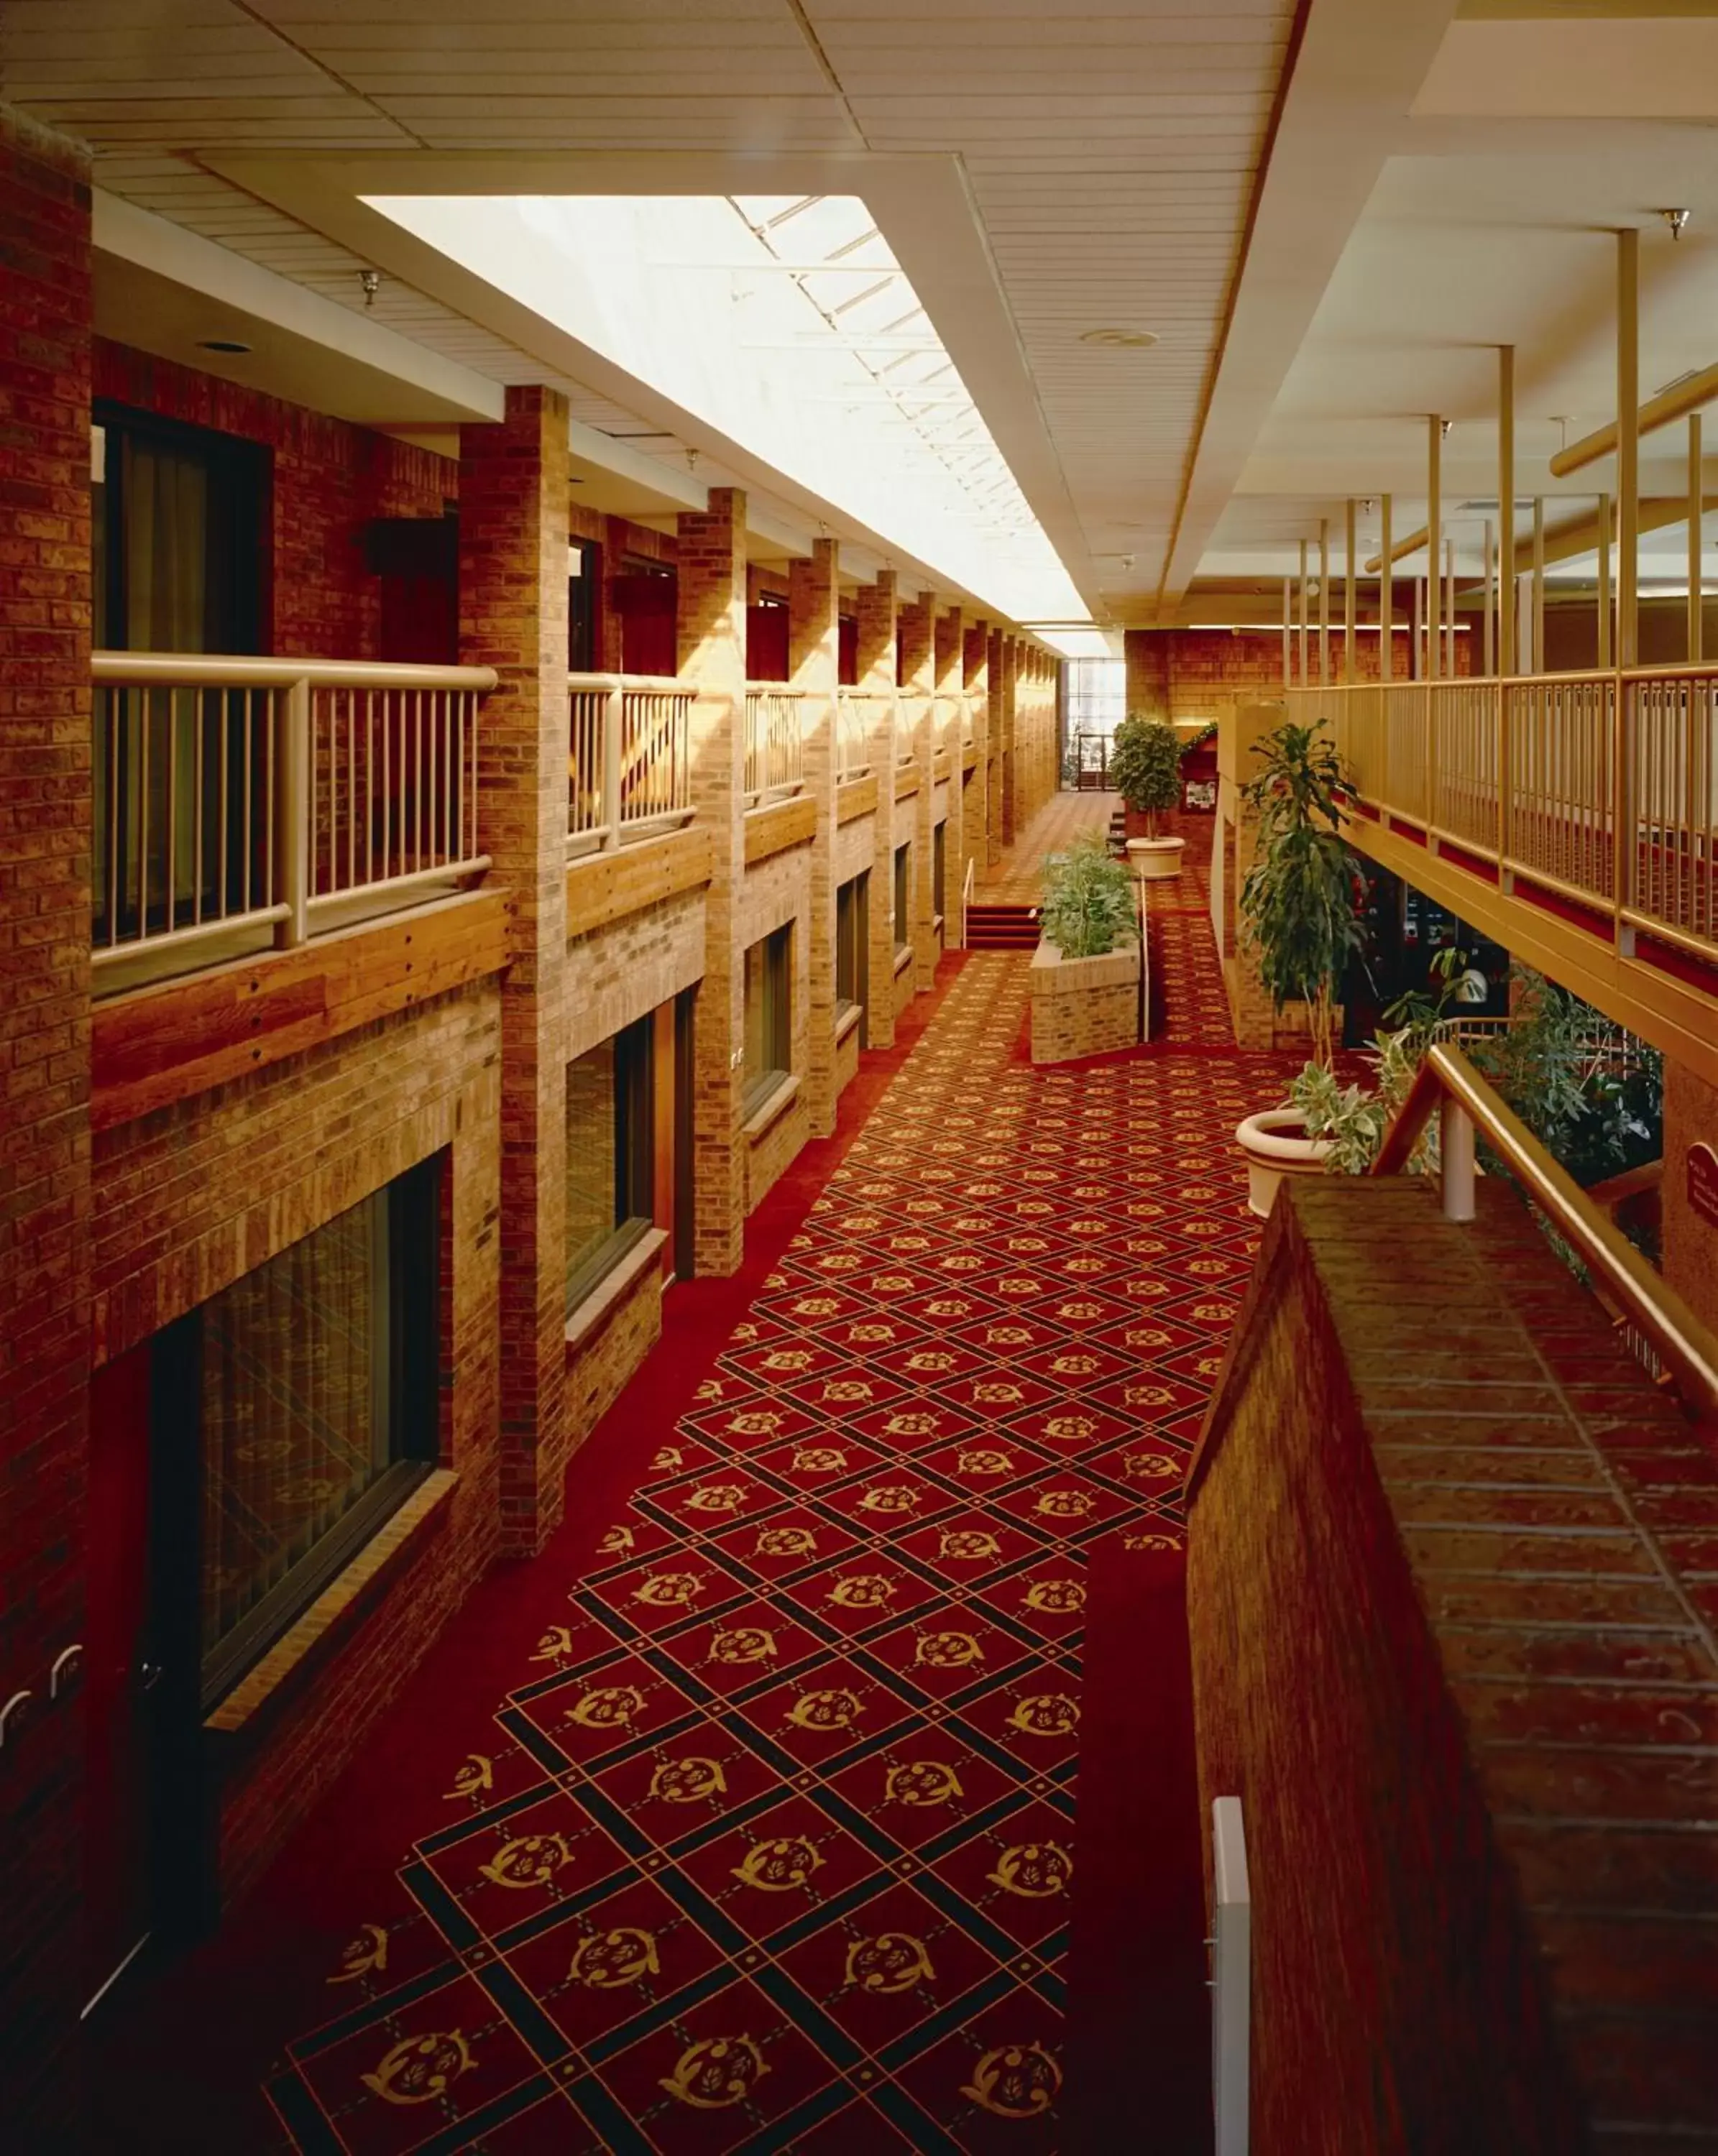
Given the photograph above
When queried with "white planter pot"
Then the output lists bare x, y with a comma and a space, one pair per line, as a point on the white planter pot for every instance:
1155, 860
1274, 1145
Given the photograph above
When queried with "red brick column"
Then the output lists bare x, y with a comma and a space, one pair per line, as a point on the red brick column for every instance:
814, 600
875, 614
950, 671
918, 688
44, 1050
513, 489
711, 574
976, 825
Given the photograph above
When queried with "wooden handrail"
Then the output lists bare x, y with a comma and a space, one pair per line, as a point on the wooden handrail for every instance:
198, 669
1446, 1080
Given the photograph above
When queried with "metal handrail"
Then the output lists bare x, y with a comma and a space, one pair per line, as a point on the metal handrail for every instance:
1449, 1083
234, 794
966, 885
193, 670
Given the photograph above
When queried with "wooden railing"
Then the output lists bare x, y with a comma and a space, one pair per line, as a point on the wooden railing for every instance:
1448, 1085
858, 713
1598, 789
629, 760
775, 755
236, 796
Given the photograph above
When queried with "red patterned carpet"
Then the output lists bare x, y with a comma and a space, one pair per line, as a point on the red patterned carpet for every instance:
769, 1840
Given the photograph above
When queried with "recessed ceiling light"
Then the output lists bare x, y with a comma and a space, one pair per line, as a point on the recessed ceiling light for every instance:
1120, 340
221, 344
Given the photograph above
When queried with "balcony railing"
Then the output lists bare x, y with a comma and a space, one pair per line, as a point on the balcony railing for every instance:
910, 710
858, 713
774, 754
238, 799
1600, 789
629, 758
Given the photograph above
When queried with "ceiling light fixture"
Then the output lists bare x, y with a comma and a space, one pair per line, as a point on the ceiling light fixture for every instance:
1677, 219
221, 344
1120, 340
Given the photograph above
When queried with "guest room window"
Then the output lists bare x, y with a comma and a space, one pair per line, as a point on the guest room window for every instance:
294, 1412
904, 899
610, 1154
768, 1053
852, 940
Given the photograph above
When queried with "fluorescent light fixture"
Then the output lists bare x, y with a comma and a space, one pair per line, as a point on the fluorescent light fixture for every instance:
717, 303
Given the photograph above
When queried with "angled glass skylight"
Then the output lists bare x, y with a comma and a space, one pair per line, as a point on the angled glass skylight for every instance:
785, 323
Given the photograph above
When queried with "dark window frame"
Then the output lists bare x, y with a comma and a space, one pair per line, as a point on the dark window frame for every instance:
413, 1394
241, 473
903, 896
775, 976
633, 1158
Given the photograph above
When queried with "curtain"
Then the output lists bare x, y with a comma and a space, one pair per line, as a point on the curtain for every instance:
296, 1409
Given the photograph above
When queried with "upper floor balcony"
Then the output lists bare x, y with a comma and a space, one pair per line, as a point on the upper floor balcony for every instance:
242, 802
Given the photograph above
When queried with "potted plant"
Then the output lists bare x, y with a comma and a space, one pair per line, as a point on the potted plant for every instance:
1086, 972
1298, 923
1145, 769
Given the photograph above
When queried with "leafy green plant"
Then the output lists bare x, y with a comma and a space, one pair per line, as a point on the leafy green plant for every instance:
1354, 1122
1145, 768
1088, 906
1200, 737
1593, 1098
1296, 904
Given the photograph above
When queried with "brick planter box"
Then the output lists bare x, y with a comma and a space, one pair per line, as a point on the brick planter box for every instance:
1083, 1006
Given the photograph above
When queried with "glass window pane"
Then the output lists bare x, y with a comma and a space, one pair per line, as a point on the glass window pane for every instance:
592, 1197
295, 1408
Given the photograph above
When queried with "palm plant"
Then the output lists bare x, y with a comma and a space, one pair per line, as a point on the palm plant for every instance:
1297, 905
1145, 768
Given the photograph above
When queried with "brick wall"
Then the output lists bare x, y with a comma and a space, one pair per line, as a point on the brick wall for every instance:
44, 1044
875, 619
329, 479
1188, 675
1083, 1006
814, 599
1690, 1240
513, 488
1451, 1649
191, 1197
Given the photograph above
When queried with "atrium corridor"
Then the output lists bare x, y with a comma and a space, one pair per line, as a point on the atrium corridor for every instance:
748, 1815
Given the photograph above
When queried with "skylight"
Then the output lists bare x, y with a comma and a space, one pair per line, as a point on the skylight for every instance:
785, 323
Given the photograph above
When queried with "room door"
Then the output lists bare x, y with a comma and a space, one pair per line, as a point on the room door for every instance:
121, 1691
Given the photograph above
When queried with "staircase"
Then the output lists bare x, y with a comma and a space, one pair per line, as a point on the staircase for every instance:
999, 927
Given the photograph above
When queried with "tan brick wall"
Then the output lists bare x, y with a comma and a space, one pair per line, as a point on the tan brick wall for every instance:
979, 814
814, 600
513, 490
1083, 1006
876, 613
190, 1199
919, 713
711, 587
599, 1370
617, 973
769, 1157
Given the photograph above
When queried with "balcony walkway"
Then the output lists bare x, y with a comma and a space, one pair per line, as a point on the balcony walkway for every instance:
745, 1815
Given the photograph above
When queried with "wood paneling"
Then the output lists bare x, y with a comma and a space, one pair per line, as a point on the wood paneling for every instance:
604, 888
175, 1039
782, 824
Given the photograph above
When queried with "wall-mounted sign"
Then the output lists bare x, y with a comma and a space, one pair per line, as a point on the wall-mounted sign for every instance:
1702, 1181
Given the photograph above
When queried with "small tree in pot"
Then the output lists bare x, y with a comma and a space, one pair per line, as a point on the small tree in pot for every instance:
1299, 922
1145, 769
